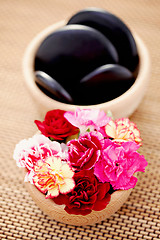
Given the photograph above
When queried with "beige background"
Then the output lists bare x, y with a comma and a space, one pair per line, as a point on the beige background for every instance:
20, 218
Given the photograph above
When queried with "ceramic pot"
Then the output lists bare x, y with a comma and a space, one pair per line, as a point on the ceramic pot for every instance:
57, 212
122, 106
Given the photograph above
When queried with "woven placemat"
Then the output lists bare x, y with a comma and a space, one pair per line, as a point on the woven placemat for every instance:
20, 218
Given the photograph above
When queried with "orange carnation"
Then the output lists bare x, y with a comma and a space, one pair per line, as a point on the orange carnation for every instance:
53, 177
122, 130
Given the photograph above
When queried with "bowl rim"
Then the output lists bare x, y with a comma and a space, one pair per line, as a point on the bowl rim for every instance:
28, 64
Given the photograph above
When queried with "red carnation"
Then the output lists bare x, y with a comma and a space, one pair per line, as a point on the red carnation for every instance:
56, 125
85, 151
89, 194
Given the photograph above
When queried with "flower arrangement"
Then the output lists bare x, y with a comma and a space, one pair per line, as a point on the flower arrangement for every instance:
80, 158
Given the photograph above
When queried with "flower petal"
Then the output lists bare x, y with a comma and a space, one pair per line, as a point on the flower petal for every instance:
67, 186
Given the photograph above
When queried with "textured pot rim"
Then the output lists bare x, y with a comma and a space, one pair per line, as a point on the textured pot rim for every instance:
28, 63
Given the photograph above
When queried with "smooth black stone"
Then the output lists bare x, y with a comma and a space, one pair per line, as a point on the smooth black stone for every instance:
104, 84
52, 88
114, 29
71, 52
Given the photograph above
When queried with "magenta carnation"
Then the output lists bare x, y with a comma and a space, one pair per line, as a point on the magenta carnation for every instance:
118, 163
85, 151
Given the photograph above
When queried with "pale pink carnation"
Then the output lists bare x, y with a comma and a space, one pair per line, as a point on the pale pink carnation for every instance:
84, 119
28, 151
118, 163
29, 176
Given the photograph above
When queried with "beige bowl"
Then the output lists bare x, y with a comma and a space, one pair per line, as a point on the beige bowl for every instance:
122, 106
57, 212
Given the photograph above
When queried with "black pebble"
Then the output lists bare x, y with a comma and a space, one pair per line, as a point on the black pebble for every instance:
104, 84
52, 88
114, 29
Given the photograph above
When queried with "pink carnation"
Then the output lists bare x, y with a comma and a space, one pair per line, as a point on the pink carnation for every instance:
118, 163
28, 151
84, 119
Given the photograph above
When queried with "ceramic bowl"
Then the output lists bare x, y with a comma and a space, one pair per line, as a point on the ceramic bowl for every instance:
122, 106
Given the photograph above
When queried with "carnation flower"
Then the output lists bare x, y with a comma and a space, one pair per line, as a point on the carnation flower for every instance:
118, 163
53, 177
86, 119
56, 126
88, 194
28, 151
85, 151
122, 130
97, 157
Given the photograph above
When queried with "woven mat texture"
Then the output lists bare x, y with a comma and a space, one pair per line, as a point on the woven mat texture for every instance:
20, 218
